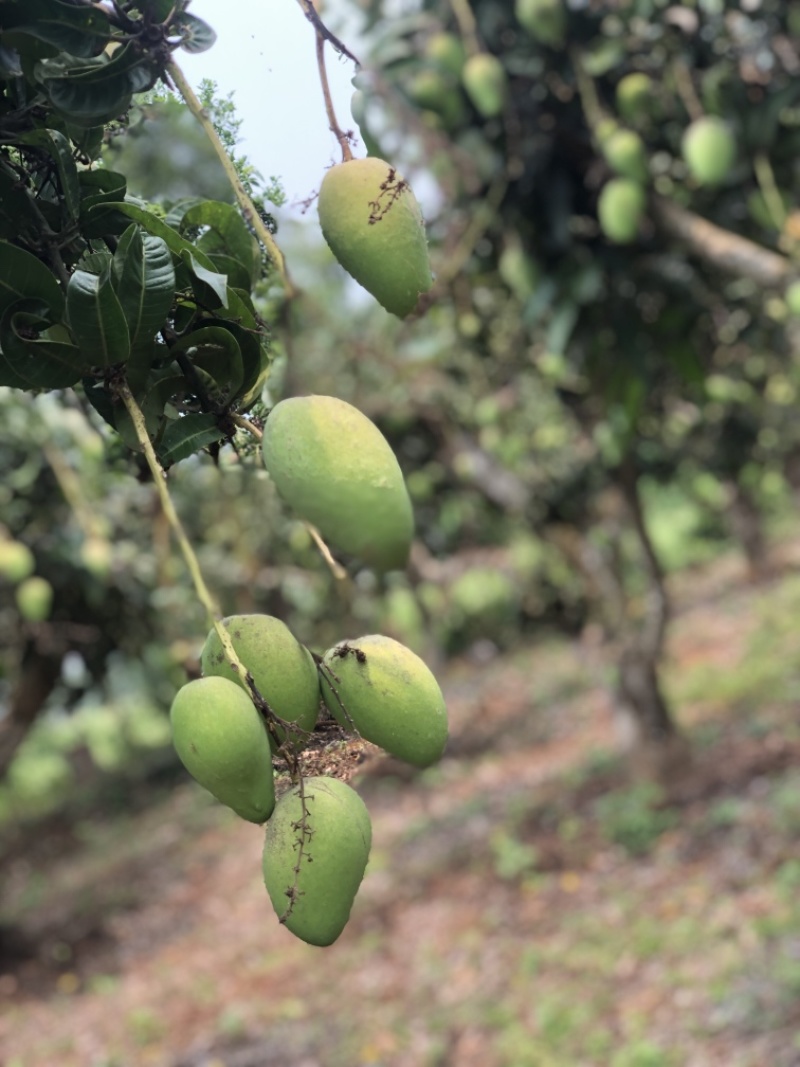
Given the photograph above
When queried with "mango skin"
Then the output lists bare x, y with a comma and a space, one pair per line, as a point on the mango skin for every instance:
16, 561
338, 848
222, 742
620, 208
377, 234
625, 153
708, 149
485, 83
392, 698
283, 670
335, 469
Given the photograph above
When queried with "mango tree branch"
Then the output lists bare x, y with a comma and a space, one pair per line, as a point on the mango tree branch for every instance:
244, 201
721, 248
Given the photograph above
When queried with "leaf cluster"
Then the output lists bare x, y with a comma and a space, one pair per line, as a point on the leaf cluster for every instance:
97, 286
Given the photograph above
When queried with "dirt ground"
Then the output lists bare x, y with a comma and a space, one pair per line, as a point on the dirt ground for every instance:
526, 905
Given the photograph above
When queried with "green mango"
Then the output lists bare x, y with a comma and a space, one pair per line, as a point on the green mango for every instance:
544, 20
16, 561
792, 297
634, 95
330, 853
373, 225
708, 150
484, 79
446, 52
222, 742
283, 670
34, 598
390, 696
620, 208
625, 153
335, 469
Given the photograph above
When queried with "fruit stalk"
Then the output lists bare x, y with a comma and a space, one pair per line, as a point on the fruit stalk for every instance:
245, 203
204, 594
333, 122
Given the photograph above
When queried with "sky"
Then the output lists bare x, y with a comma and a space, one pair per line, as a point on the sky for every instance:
266, 55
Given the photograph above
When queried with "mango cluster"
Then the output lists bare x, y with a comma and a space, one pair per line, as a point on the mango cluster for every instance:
318, 833
33, 593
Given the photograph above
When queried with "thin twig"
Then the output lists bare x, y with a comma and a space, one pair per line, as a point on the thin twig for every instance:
245, 203
333, 122
337, 569
310, 13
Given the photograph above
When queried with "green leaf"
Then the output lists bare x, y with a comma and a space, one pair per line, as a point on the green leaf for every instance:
210, 288
96, 319
144, 280
215, 351
158, 10
17, 214
24, 277
186, 435
79, 29
30, 361
234, 271
153, 224
196, 35
98, 92
58, 146
226, 221
101, 186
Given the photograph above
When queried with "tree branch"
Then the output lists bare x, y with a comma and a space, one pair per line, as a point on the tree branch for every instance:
721, 248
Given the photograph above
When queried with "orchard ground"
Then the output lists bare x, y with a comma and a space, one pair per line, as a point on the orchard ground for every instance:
526, 905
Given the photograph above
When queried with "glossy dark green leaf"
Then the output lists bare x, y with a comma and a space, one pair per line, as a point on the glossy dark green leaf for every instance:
100, 91
156, 226
186, 435
228, 224
100, 186
97, 320
17, 213
210, 288
79, 29
215, 351
58, 146
234, 271
144, 280
24, 277
196, 35
255, 357
29, 360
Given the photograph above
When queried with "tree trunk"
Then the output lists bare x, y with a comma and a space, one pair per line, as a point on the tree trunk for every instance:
38, 674
748, 530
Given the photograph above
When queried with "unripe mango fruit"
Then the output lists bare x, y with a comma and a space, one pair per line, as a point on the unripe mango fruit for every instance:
335, 469
485, 83
16, 561
34, 598
792, 297
625, 153
544, 20
329, 845
445, 51
390, 696
620, 208
634, 96
373, 225
222, 742
283, 670
708, 149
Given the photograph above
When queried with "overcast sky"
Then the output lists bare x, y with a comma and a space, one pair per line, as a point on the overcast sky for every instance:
266, 54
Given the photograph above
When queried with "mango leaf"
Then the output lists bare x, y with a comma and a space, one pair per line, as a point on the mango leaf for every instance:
156, 226
158, 10
144, 280
24, 277
98, 92
186, 435
56, 144
215, 351
234, 271
30, 361
101, 187
10, 66
96, 319
17, 214
196, 35
226, 221
80, 30
255, 357
210, 288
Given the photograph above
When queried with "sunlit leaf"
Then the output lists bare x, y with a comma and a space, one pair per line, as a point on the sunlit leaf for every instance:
184, 436
144, 280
